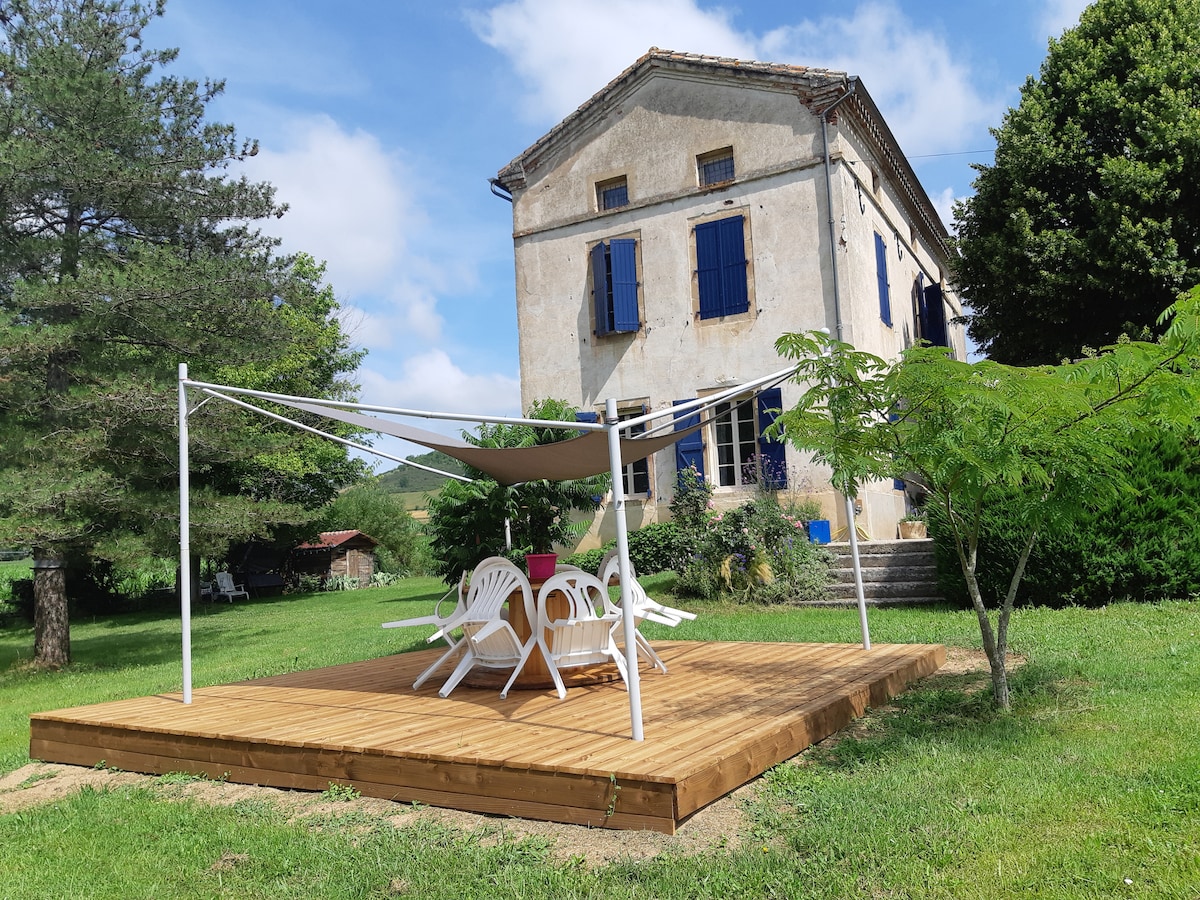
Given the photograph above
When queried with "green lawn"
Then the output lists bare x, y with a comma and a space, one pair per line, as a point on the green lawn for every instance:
1090, 788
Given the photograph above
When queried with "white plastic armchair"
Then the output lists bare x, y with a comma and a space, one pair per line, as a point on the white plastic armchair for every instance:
644, 606
584, 637
227, 589
488, 639
438, 618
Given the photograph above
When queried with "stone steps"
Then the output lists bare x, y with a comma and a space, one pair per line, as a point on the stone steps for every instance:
893, 572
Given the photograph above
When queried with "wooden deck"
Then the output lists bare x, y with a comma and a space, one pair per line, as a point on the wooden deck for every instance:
724, 714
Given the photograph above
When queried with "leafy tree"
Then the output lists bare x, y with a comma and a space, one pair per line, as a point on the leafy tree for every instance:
126, 248
1053, 438
369, 508
468, 520
1087, 226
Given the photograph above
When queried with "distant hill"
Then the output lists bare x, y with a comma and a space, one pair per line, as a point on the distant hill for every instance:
407, 479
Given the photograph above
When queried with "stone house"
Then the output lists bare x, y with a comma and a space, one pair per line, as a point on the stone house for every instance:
335, 553
669, 230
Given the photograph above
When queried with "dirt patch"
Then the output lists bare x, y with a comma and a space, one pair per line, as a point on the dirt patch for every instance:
721, 824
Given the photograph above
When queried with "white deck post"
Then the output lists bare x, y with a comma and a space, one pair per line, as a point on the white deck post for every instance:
858, 579
634, 683
185, 540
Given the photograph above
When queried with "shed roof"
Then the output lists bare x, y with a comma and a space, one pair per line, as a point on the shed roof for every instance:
330, 539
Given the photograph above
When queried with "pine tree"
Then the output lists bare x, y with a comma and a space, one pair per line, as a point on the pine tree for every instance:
125, 248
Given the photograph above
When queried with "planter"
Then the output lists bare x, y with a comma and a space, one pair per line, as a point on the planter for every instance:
540, 565
912, 530
818, 531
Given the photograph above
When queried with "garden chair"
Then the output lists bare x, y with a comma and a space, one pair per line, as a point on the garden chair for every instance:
488, 639
227, 589
437, 618
584, 637
643, 608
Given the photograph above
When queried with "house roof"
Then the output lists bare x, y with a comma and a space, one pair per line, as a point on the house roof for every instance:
816, 88
329, 539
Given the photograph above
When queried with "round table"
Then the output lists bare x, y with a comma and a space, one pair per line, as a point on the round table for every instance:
535, 675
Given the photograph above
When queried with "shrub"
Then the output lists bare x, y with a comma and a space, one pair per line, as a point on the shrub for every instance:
1145, 547
756, 552
657, 547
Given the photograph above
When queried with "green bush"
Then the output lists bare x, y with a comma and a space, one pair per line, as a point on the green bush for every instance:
589, 560
658, 547
1142, 548
756, 552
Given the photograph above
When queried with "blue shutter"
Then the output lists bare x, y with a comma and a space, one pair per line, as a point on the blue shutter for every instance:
689, 450
885, 301
772, 451
623, 253
733, 266
599, 255
933, 328
708, 269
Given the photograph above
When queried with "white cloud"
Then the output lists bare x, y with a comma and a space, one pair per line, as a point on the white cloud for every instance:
345, 204
1058, 15
926, 96
566, 50
432, 381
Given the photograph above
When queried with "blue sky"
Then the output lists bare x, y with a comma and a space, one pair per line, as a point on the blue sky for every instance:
381, 122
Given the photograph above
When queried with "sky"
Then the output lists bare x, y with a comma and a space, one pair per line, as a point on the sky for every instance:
381, 121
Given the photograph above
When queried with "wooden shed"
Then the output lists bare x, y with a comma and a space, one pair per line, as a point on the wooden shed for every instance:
334, 553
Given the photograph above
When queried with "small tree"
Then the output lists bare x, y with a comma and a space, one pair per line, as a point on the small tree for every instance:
467, 520
974, 433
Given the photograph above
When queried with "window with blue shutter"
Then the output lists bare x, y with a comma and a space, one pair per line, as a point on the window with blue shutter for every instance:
615, 285
721, 267
885, 300
689, 450
772, 452
635, 477
933, 316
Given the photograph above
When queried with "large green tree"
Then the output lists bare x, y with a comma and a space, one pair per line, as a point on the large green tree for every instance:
1087, 224
125, 248
976, 435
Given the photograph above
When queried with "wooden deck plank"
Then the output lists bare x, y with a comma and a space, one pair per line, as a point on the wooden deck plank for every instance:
723, 714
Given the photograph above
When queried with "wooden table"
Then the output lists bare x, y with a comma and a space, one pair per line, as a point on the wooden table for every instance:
535, 675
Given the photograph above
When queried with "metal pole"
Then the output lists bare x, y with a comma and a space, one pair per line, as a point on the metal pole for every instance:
633, 682
185, 540
858, 579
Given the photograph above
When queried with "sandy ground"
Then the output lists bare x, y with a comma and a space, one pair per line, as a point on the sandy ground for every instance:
721, 824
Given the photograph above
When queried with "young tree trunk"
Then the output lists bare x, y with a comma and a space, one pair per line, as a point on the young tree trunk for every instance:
51, 632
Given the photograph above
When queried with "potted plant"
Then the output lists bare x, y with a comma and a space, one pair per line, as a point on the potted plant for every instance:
913, 526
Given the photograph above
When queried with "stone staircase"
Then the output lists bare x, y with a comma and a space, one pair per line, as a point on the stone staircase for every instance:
894, 572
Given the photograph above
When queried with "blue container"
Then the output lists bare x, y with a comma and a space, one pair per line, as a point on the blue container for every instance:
818, 531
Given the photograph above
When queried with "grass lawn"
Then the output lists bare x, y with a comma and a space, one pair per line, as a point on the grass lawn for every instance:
1090, 788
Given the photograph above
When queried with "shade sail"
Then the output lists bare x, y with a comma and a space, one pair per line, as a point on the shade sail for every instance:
577, 457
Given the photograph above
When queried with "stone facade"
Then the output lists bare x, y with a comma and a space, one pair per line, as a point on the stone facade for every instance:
717, 240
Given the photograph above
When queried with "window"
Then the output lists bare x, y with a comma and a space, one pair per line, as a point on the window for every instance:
933, 316
716, 167
737, 445
744, 454
885, 300
635, 477
612, 194
721, 268
615, 285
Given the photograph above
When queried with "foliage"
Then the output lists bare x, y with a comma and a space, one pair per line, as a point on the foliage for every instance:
467, 520
403, 548
756, 552
657, 547
589, 560
1086, 225
1051, 441
1141, 547
341, 583
125, 248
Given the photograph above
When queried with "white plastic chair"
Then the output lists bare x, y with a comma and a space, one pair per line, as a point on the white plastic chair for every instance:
227, 589
643, 608
584, 637
488, 639
437, 618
